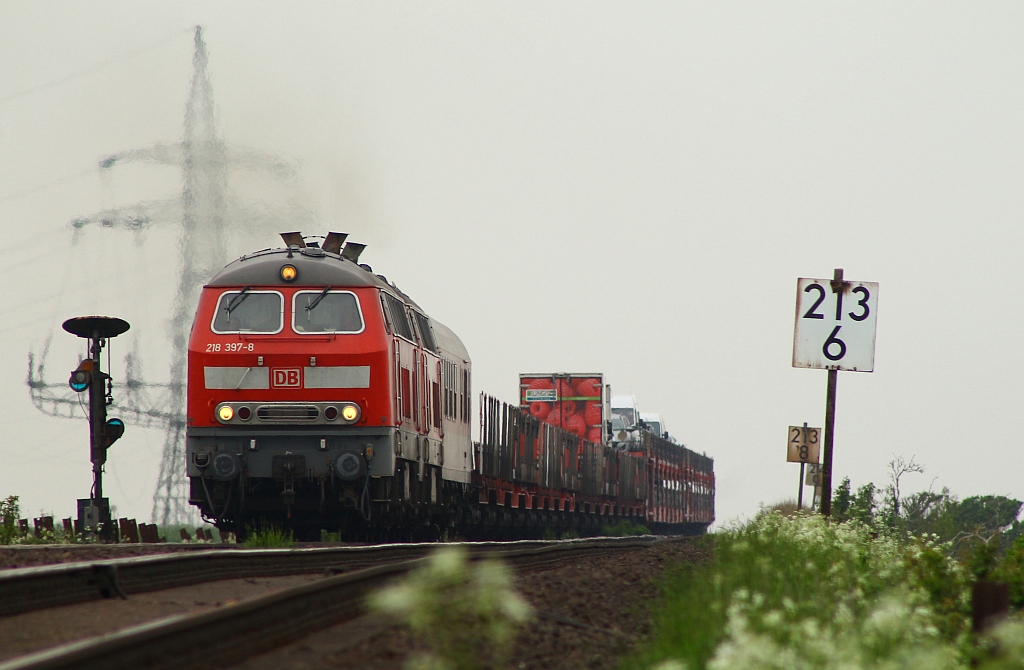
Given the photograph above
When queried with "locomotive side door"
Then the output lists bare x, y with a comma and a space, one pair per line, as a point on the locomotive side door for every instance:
405, 362
417, 379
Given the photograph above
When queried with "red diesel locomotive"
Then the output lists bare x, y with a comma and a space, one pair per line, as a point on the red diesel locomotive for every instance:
320, 396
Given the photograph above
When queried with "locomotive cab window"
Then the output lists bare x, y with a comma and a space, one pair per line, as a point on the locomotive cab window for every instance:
326, 311
245, 311
426, 335
397, 320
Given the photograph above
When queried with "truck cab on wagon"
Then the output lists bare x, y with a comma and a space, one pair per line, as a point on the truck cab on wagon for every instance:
653, 422
625, 421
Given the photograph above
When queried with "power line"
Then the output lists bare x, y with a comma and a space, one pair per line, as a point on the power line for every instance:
57, 182
89, 70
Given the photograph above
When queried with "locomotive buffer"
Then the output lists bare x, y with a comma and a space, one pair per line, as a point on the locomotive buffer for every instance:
94, 511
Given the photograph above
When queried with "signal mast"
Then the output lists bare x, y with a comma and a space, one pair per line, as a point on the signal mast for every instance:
94, 511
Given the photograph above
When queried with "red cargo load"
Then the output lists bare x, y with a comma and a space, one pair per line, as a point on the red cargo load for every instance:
573, 402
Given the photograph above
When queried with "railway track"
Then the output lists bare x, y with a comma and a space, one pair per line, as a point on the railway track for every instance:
27, 589
234, 632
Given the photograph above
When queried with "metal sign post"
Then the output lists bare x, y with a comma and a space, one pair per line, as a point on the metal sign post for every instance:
835, 330
803, 449
800, 491
830, 427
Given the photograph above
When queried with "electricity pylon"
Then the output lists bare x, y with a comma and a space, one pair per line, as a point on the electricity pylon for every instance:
205, 210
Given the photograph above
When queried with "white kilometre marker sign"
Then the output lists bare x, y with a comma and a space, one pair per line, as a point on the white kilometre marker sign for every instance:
835, 329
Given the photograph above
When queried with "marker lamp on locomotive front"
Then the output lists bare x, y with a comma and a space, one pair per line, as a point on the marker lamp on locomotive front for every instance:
274, 413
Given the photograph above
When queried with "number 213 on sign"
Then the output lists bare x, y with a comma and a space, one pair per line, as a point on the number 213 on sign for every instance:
835, 325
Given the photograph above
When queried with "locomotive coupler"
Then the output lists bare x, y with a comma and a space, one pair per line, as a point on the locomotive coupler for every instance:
288, 495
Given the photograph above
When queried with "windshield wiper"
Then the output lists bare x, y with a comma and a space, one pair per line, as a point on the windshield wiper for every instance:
316, 301
236, 301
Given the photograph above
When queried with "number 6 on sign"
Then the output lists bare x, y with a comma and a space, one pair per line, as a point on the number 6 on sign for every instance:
835, 325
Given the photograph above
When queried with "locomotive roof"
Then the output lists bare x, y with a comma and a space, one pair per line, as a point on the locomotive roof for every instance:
315, 266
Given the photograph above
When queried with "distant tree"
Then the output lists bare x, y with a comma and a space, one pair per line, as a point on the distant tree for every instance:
1011, 570
988, 514
981, 527
898, 468
929, 512
841, 501
863, 506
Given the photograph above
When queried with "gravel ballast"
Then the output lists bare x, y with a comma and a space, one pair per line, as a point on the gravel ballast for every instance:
607, 598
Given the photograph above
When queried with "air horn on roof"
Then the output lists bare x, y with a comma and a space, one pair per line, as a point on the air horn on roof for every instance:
332, 243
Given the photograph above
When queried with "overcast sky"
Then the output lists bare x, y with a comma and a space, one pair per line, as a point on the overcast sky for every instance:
617, 187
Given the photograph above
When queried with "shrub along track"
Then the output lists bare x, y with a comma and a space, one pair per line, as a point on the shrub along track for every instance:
228, 634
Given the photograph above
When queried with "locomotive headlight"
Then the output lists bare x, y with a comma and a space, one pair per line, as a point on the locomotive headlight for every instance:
289, 273
350, 413
225, 413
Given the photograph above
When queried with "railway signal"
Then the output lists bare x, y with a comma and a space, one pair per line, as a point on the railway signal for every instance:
94, 511
835, 330
81, 377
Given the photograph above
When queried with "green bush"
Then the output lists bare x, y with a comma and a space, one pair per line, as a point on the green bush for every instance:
796, 592
10, 511
269, 537
466, 613
1011, 571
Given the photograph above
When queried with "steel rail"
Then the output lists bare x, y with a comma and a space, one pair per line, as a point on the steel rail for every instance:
229, 634
27, 589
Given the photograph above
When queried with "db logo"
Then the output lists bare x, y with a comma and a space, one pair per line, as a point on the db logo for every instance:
286, 377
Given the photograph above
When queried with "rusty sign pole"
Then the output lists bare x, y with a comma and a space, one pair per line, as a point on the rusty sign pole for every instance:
800, 490
830, 422
830, 419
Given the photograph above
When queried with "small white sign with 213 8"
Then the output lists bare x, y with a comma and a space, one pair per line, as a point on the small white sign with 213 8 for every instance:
835, 325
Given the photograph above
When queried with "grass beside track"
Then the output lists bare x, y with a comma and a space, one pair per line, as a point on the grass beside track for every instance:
796, 592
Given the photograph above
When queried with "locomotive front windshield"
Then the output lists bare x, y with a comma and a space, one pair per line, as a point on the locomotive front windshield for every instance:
326, 312
249, 312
